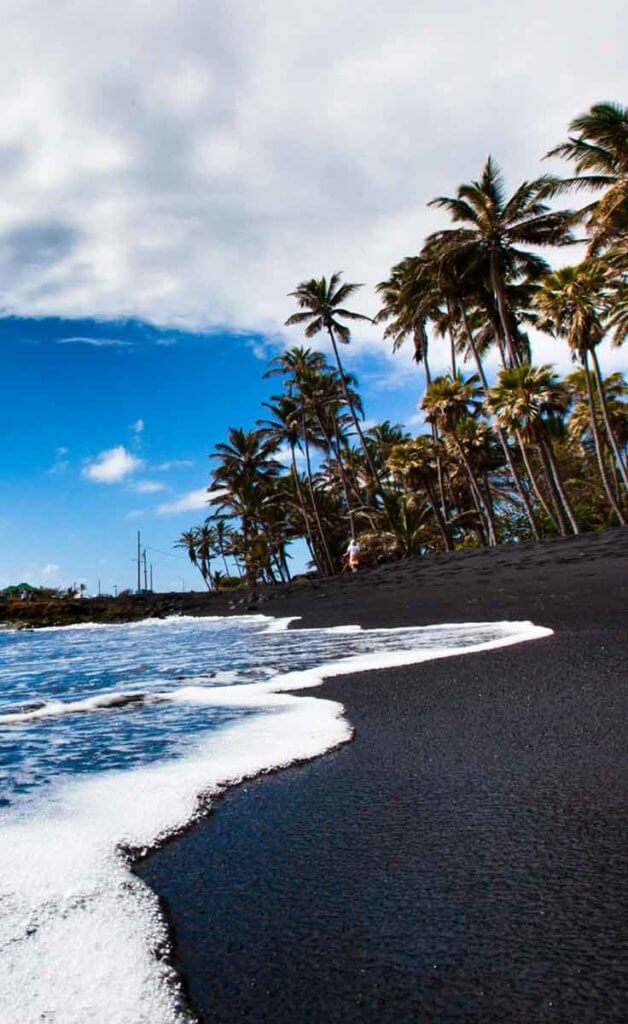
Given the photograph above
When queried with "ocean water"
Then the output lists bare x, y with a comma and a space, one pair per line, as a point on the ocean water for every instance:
113, 736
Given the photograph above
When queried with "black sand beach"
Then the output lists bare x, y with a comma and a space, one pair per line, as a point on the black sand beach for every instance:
463, 860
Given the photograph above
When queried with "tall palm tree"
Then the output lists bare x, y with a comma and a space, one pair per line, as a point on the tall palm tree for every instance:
205, 551
414, 461
407, 307
598, 148
525, 400
322, 308
616, 393
246, 466
411, 300
449, 401
285, 428
222, 535
572, 305
189, 542
298, 365
496, 234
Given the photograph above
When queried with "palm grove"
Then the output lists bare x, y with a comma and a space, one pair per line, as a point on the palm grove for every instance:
527, 456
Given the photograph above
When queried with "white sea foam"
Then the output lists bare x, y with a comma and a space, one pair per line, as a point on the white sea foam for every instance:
78, 932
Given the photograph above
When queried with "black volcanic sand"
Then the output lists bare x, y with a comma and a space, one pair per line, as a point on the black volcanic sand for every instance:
464, 859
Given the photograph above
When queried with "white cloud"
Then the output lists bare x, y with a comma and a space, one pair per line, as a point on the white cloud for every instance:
155, 156
135, 513
138, 427
148, 487
112, 466
164, 467
95, 342
51, 569
284, 456
190, 502
60, 463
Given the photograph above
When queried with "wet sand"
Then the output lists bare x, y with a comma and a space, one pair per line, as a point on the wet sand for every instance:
463, 860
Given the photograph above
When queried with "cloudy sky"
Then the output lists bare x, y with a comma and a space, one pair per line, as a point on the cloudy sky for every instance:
170, 170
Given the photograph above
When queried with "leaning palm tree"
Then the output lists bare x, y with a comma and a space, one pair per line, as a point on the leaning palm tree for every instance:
496, 233
579, 426
598, 148
525, 401
322, 308
572, 305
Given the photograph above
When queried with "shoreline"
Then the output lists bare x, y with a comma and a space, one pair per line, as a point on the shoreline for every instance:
217, 869
304, 593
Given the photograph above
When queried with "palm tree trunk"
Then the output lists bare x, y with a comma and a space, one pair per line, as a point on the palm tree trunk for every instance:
612, 440
356, 422
440, 519
249, 573
533, 480
452, 337
304, 512
501, 308
488, 501
559, 513
502, 437
558, 483
477, 493
306, 445
341, 469
595, 430
435, 436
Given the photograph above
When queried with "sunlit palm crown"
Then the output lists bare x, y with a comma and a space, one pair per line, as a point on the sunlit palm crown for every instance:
524, 396
322, 302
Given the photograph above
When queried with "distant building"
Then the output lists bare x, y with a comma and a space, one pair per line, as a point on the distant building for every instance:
19, 592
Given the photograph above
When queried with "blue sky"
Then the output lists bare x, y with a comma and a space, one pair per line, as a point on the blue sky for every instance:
170, 171
165, 397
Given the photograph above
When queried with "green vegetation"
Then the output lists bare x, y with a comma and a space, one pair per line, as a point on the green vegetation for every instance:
523, 456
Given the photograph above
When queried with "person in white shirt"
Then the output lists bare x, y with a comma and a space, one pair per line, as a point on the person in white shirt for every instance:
353, 554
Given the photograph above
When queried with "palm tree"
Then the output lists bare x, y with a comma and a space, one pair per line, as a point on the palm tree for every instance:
616, 394
321, 304
298, 365
475, 345
285, 428
205, 551
407, 307
598, 148
525, 401
246, 466
415, 462
189, 541
493, 243
449, 401
572, 305
579, 426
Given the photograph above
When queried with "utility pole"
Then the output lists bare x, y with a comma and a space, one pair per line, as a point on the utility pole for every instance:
99, 588
139, 563
145, 571
151, 577
115, 590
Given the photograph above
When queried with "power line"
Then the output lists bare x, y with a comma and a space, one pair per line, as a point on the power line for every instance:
168, 553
